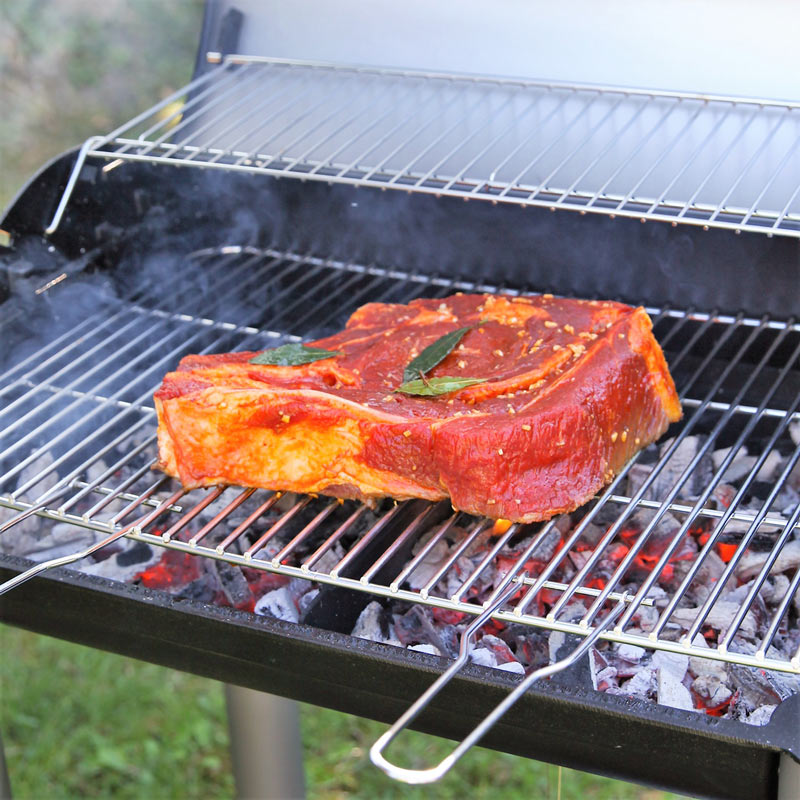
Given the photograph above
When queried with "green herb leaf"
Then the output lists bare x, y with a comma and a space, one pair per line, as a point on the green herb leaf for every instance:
433, 354
292, 355
431, 387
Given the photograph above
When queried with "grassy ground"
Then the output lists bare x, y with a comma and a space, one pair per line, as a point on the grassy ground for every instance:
77, 722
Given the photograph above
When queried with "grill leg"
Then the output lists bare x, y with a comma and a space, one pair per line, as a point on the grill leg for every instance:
788, 778
5, 783
266, 750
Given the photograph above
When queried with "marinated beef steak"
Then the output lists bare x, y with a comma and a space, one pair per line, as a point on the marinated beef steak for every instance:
570, 390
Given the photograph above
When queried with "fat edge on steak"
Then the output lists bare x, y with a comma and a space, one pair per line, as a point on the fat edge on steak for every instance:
573, 388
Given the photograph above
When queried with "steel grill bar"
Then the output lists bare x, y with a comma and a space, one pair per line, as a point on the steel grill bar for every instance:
729, 511
355, 164
305, 133
368, 537
485, 562
792, 150
333, 538
611, 142
672, 494
410, 138
399, 542
514, 182
275, 528
268, 101
240, 498
305, 532
258, 151
480, 527
696, 152
235, 82
412, 565
531, 133
740, 551
752, 160
635, 152
466, 140
189, 515
240, 529
758, 581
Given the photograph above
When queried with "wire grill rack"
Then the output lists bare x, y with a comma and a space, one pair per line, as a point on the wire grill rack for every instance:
77, 445
704, 160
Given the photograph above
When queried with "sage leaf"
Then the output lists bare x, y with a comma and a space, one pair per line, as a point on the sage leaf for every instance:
292, 355
432, 387
433, 354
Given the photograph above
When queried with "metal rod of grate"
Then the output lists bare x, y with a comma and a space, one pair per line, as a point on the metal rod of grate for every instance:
704, 160
78, 444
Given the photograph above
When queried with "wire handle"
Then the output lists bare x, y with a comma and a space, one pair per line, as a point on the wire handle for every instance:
418, 776
12, 583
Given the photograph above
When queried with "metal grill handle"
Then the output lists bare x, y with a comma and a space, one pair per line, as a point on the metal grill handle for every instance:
419, 776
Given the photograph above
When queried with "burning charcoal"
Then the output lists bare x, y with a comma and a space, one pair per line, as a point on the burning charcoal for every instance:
38, 465
758, 686
710, 570
712, 690
231, 581
630, 652
416, 627
502, 652
328, 560
642, 684
375, 624
512, 666
788, 559
680, 459
775, 589
305, 601
605, 678
769, 468
200, 590
723, 495
425, 648
482, 656
787, 500
671, 670
429, 565
279, 604
40, 545
674, 663
706, 667
119, 567
742, 463
719, 617
549, 543
637, 475
140, 553
761, 715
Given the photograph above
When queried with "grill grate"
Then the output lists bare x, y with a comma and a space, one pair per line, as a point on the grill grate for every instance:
691, 159
76, 410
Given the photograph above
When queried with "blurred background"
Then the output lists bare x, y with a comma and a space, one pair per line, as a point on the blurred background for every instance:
81, 723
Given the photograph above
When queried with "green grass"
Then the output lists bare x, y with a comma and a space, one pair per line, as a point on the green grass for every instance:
78, 722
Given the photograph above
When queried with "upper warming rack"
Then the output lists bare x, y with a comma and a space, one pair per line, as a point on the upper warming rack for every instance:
712, 161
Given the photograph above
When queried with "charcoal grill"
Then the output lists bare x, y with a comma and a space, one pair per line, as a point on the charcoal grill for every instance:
120, 263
